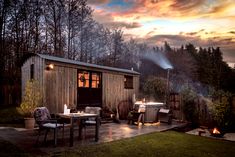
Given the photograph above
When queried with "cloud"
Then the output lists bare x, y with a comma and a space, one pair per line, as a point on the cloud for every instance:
232, 32
122, 25
98, 2
107, 20
197, 33
221, 7
145, 10
178, 40
102, 16
192, 33
174, 40
227, 45
150, 33
186, 5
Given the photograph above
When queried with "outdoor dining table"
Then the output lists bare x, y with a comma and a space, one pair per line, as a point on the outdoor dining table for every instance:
80, 116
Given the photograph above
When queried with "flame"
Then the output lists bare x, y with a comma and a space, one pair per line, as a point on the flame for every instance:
216, 131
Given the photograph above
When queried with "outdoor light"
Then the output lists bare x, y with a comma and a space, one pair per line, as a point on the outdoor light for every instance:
50, 67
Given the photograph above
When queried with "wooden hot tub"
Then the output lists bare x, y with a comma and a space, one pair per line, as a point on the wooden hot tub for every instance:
151, 110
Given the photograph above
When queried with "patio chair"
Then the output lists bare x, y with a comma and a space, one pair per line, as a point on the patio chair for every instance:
45, 122
91, 121
93, 110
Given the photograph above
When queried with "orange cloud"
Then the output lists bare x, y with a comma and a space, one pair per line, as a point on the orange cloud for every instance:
145, 10
121, 25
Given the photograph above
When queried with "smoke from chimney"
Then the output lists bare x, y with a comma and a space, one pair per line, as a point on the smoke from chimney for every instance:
159, 59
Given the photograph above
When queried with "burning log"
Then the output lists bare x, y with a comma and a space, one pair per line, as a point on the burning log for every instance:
216, 132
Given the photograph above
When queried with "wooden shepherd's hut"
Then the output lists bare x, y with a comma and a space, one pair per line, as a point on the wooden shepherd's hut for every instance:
78, 84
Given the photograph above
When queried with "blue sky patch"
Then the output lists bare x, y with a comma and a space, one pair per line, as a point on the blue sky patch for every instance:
120, 3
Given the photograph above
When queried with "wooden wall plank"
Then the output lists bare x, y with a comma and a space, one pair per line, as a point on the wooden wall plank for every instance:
62, 84
114, 91
38, 74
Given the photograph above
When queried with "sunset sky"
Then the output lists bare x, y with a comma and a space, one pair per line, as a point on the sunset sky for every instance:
201, 22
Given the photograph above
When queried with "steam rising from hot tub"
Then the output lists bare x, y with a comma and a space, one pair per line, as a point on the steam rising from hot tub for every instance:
159, 59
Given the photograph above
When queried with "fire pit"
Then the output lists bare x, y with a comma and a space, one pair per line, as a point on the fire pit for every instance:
216, 132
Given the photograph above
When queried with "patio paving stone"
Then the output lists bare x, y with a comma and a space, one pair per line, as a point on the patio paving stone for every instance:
26, 139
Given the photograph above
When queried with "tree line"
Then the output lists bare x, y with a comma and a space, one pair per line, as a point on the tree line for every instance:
66, 28
202, 69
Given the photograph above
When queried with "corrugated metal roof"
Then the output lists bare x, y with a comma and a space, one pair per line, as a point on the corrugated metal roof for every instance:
69, 61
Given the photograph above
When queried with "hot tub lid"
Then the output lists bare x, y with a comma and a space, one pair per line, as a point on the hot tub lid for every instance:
155, 103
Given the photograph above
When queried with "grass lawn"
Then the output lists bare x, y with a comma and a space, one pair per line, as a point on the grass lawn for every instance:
162, 144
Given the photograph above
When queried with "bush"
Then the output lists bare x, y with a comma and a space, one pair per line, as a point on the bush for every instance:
32, 98
189, 106
221, 109
154, 87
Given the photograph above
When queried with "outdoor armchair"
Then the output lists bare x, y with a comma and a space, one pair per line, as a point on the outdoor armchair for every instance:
91, 121
45, 122
92, 110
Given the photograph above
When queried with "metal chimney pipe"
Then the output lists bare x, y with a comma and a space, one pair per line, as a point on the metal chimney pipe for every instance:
167, 85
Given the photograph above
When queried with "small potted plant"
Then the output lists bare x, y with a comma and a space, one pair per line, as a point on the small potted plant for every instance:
32, 99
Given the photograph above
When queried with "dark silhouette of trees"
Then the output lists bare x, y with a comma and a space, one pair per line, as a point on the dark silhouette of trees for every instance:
211, 69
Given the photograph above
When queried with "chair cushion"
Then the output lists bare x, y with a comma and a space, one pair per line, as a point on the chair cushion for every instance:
41, 113
92, 122
52, 125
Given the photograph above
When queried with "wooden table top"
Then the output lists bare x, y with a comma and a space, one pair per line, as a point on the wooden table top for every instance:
70, 115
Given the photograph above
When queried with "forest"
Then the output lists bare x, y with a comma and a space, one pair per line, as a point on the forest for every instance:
66, 28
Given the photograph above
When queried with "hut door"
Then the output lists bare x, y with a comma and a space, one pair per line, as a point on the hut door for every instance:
89, 89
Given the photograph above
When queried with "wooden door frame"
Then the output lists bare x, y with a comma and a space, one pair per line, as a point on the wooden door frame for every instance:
90, 87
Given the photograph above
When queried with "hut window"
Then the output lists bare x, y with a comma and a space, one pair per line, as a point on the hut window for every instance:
32, 71
95, 80
128, 82
83, 79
